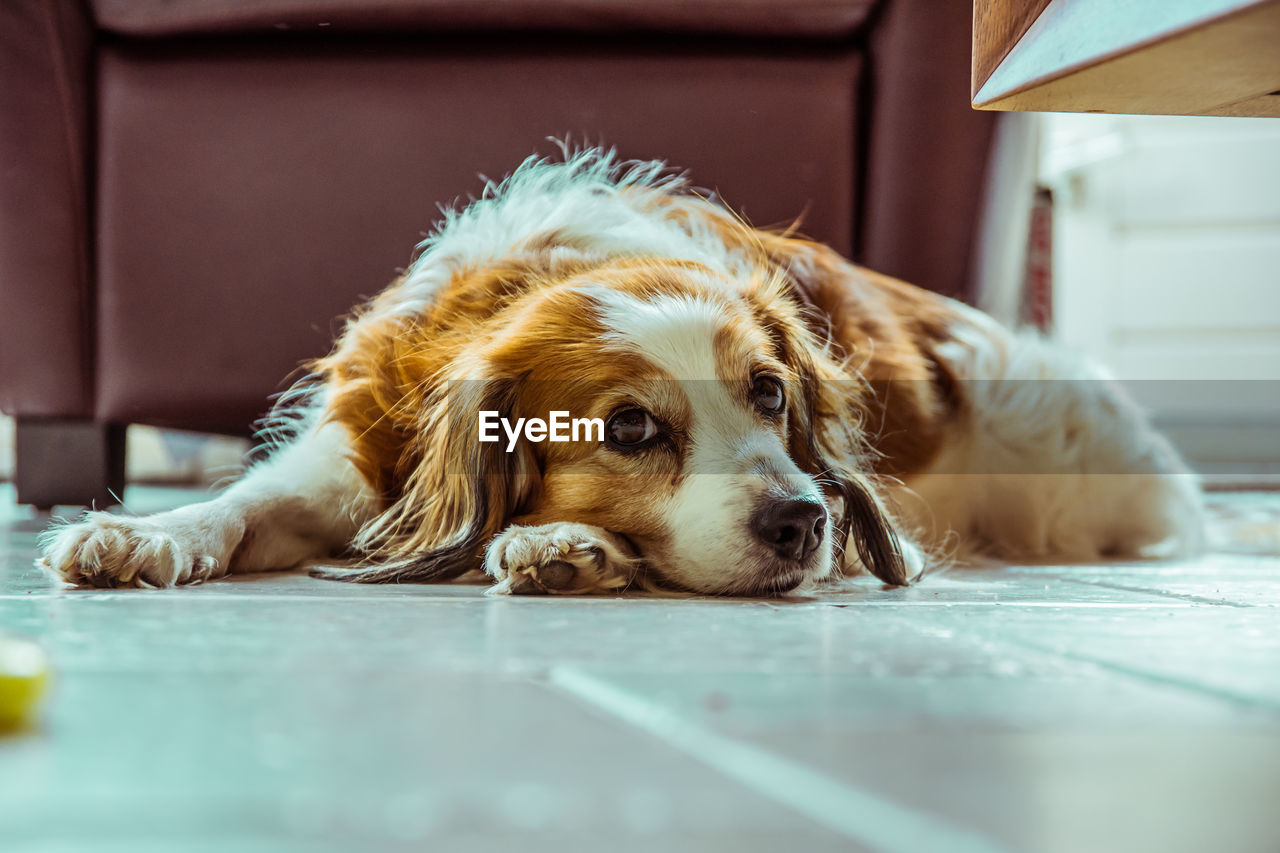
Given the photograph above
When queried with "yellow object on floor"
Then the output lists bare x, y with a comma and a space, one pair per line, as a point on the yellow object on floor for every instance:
24, 673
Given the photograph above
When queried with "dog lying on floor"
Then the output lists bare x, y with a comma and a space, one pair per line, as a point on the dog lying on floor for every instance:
759, 415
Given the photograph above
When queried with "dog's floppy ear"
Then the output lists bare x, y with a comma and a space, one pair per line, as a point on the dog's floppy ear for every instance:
458, 493
825, 445
824, 436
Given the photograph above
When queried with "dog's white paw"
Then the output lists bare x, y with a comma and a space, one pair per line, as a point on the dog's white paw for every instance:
562, 558
105, 550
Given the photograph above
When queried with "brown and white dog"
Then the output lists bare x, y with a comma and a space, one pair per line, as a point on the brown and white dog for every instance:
768, 416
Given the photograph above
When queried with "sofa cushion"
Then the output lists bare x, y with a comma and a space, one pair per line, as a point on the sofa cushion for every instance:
785, 18
242, 205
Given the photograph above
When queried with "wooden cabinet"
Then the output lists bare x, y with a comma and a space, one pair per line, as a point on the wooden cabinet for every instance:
1173, 57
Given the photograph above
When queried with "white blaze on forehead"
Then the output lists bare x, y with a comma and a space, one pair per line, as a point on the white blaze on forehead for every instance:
731, 458
676, 334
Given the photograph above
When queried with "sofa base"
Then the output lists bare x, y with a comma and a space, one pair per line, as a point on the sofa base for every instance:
64, 462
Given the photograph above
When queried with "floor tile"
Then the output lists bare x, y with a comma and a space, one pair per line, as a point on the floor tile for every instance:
1056, 708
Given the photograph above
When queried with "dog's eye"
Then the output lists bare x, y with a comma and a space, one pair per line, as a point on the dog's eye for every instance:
631, 427
767, 392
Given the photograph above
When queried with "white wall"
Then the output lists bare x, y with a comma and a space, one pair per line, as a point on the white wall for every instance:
1167, 265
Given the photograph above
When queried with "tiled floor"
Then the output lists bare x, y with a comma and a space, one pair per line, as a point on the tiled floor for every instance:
1124, 708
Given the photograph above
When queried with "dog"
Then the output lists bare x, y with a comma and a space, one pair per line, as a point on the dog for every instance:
761, 416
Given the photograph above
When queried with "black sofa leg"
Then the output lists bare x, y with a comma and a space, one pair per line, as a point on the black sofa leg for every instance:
62, 462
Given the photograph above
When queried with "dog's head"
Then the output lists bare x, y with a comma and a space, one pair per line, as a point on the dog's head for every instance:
714, 432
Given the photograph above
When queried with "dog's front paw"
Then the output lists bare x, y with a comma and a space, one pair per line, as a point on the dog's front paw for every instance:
563, 558
105, 550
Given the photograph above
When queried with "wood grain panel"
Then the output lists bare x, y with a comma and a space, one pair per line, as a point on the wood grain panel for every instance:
1263, 105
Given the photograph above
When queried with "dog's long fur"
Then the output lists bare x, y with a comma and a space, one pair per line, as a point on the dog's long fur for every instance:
919, 427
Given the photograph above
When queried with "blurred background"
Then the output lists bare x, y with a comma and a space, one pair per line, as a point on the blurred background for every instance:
1163, 263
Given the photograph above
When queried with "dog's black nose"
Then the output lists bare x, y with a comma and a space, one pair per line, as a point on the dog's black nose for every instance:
792, 527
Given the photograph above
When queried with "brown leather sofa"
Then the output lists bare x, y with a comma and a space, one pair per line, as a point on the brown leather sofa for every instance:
191, 191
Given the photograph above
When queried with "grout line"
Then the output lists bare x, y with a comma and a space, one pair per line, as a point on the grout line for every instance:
1180, 596
1255, 703
852, 812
